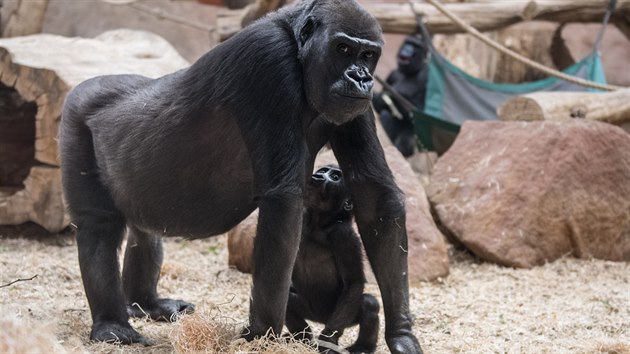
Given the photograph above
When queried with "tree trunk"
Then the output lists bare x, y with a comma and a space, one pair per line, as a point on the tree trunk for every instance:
36, 73
259, 9
612, 107
21, 17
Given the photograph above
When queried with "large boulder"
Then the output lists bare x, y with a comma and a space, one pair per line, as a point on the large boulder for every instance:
428, 254
428, 257
524, 193
241, 244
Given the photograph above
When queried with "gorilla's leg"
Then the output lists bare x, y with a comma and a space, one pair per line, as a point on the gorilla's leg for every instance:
379, 210
390, 124
297, 311
100, 228
143, 259
400, 133
368, 326
98, 239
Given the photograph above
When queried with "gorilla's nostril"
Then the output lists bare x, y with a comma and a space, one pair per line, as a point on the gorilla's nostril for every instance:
360, 76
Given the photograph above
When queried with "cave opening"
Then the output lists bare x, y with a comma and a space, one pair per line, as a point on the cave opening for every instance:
17, 140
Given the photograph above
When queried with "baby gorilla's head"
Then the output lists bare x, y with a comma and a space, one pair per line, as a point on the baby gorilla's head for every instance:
327, 192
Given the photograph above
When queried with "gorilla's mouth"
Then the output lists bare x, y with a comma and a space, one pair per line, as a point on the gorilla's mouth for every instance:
321, 188
355, 96
403, 59
317, 195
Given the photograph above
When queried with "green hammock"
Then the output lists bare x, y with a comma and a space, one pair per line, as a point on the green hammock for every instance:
454, 96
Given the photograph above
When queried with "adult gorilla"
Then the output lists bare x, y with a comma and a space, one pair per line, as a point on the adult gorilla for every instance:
410, 81
194, 152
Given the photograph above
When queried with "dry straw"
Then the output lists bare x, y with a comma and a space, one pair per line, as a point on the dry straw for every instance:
213, 333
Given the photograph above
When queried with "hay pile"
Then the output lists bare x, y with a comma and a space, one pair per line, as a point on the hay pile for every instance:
203, 333
21, 336
569, 306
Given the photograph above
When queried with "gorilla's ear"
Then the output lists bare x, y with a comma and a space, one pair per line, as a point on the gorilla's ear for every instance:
307, 30
348, 205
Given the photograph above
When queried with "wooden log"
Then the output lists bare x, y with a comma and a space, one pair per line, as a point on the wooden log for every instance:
21, 17
612, 107
231, 21
484, 16
39, 201
398, 18
36, 73
259, 8
531, 39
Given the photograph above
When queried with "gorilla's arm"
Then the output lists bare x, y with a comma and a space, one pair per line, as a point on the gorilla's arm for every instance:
380, 216
279, 191
393, 77
386, 105
379, 104
344, 245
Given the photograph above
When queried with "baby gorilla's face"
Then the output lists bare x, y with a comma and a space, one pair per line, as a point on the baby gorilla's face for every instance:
327, 192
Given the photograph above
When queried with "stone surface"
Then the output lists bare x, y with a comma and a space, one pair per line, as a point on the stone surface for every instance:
241, 243
521, 194
427, 258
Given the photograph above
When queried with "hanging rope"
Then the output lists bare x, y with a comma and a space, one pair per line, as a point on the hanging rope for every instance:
513, 54
600, 36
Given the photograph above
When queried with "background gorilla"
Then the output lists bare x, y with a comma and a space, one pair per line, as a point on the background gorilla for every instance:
409, 80
194, 152
328, 279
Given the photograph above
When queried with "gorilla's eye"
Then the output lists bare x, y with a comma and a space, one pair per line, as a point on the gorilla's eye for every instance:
369, 54
335, 176
343, 49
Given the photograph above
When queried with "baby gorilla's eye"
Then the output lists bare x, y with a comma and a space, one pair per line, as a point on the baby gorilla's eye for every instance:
335, 176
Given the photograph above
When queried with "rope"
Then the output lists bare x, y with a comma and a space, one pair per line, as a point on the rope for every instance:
600, 36
513, 54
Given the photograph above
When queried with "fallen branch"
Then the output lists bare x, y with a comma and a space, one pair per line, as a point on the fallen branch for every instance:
19, 280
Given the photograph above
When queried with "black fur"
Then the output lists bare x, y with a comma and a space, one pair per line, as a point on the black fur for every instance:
328, 278
409, 80
194, 152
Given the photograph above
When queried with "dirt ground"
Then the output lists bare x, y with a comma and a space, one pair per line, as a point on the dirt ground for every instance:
569, 306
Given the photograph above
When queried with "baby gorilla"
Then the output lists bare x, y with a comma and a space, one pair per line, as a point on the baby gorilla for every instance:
328, 279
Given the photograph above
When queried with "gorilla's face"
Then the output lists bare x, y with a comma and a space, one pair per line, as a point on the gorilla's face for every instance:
411, 56
339, 54
327, 192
